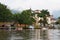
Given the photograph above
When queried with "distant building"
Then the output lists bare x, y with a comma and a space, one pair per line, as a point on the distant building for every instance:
51, 19
36, 12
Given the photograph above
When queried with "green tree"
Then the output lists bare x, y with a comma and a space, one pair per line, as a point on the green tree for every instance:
58, 21
58, 17
26, 17
43, 14
16, 17
5, 13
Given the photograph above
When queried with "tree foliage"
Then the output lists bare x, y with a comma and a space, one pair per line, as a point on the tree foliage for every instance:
58, 21
44, 14
24, 17
5, 13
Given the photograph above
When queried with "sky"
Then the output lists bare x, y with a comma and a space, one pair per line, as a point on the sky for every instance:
52, 5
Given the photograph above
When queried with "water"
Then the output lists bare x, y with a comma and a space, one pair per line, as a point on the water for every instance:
28, 34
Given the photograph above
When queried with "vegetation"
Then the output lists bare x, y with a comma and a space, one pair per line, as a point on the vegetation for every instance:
5, 13
25, 17
44, 14
58, 21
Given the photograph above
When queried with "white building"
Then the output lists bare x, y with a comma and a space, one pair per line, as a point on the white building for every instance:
36, 16
51, 19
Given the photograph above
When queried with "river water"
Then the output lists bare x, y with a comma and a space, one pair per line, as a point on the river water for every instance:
30, 34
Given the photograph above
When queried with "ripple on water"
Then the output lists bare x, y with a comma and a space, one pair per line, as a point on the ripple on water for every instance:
54, 34
36, 34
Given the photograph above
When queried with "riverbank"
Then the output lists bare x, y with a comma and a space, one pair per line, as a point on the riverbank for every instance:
8, 28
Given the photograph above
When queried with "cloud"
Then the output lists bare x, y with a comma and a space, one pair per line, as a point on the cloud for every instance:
51, 5
34, 4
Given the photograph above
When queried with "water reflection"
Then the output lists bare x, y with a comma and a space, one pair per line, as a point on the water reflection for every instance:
44, 34
4, 35
28, 34
54, 34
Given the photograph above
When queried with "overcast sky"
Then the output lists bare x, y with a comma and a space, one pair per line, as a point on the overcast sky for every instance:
51, 5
